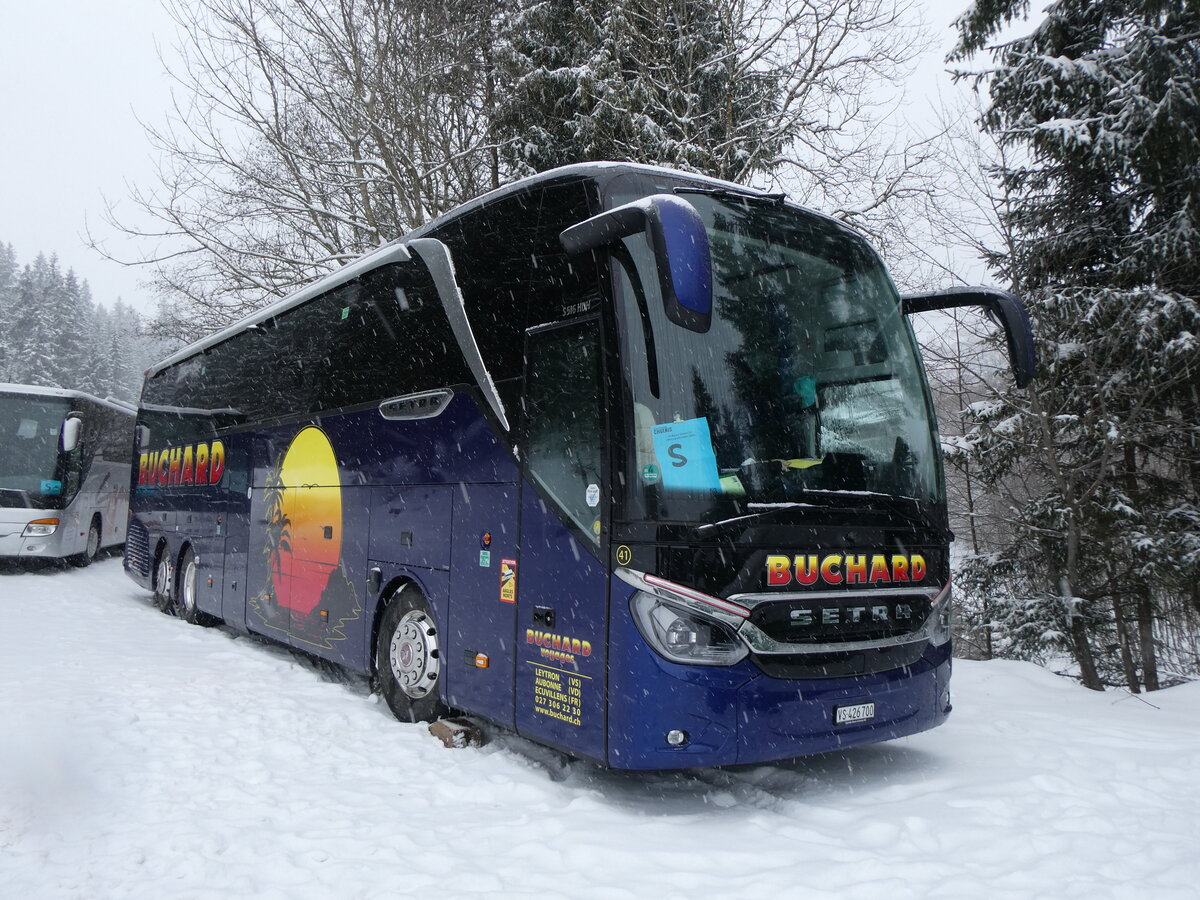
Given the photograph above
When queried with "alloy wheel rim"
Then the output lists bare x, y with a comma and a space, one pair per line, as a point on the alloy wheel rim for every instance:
162, 583
413, 654
189, 586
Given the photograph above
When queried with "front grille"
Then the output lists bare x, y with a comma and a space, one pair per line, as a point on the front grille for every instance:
842, 617
839, 665
137, 548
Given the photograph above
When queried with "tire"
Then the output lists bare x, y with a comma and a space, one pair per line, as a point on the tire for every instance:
93, 545
408, 659
185, 599
164, 595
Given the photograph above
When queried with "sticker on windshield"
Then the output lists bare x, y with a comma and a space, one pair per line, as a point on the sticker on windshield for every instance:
51, 488
593, 495
650, 473
685, 452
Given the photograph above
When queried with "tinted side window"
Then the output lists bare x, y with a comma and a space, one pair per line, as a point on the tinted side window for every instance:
111, 433
514, 273
384, 336
380, 336
564, 426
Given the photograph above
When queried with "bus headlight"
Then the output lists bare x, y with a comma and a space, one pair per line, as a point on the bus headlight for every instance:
684, 635
40, 528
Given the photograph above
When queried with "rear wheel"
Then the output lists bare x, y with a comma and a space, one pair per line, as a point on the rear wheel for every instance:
408, 661
164, 596
92, 547
185, 605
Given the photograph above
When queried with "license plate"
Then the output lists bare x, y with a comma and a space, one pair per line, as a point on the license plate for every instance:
850, 715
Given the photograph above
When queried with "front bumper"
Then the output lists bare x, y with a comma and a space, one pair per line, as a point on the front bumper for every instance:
739, 714
13, 543
16, 545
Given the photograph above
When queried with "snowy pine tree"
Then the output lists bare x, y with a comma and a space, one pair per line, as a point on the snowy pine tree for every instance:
8, 304
640, 80
34, 334
52, 333
1103, 99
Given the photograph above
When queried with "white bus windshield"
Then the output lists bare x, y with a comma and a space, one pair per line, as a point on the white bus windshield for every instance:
807, 381
29, 459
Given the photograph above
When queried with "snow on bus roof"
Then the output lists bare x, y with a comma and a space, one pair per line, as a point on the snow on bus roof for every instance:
34, 390
394, 251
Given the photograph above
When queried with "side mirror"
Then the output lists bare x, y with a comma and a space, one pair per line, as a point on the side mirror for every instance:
681, 252
71, 427
1003, 306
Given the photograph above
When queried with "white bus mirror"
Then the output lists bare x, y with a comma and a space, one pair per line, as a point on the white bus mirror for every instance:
70, 432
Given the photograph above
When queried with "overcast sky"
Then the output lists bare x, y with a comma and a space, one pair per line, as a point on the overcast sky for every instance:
75, 77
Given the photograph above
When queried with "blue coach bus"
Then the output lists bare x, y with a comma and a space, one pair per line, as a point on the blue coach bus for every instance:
637, 464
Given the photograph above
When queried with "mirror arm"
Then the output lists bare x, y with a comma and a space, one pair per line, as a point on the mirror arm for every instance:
604, 229
1003, 306
437, 259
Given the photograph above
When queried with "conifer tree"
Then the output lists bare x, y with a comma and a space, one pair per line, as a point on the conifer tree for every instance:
53, 334
34, 334
1103, 102
641, 80
8, 300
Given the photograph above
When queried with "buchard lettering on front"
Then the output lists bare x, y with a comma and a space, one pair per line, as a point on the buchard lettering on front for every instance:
837, 568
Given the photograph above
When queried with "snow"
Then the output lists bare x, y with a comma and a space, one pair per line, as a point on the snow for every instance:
142, 757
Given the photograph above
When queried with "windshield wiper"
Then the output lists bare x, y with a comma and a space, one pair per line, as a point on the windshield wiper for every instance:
759, 511
737, 523
731, 194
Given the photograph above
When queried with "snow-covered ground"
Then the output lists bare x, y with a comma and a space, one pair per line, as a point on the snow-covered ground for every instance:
142, 757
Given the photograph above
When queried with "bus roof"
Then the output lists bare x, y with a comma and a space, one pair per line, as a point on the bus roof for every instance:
393, 251
33, 390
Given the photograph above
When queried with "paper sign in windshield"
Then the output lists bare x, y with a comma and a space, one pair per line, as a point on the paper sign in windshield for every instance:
685, 456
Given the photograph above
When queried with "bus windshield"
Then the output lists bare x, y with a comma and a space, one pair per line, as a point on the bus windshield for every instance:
807, 382
29, 459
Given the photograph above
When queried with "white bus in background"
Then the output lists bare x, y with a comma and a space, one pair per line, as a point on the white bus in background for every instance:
64, 473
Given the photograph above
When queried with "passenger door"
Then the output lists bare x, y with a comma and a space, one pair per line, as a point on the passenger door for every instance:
562, 587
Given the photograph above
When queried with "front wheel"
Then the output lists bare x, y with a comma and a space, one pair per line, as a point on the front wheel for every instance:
93, 545
408, 661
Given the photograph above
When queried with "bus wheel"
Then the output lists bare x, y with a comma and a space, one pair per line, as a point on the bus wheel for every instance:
93, 545
185, 605
408, 660
163, 595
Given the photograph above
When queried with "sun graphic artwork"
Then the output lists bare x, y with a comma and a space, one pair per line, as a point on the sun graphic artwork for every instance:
310, 505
